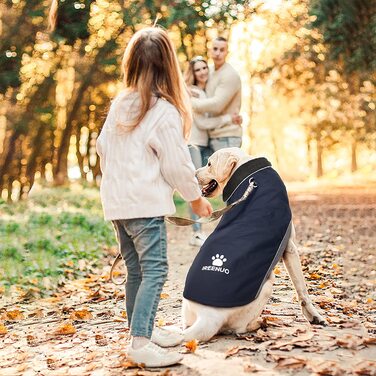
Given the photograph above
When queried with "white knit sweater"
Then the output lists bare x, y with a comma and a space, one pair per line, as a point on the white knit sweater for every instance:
141, 168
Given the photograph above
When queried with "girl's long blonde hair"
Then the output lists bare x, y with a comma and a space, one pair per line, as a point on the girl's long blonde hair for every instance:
150, 67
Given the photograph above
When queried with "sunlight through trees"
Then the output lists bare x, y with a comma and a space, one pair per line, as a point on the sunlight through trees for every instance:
308, 71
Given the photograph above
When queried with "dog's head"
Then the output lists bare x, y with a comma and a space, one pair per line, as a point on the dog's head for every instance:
221, 165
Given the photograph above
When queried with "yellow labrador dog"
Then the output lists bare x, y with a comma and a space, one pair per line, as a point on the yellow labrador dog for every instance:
231, 278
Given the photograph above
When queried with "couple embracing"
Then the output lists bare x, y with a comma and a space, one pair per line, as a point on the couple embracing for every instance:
216, 101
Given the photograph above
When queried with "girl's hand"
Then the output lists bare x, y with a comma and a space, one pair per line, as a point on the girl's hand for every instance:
201, 207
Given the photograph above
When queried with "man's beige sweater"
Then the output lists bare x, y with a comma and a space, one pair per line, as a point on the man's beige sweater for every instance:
224, 97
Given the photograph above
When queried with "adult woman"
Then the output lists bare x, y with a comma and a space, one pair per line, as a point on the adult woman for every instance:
196, 78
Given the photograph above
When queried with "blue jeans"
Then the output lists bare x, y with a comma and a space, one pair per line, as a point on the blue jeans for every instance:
200, 156
225, 142
143, 245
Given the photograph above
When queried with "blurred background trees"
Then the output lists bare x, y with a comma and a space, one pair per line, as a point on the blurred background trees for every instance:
308, 70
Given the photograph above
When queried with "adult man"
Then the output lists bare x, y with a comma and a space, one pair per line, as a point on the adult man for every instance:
224, 97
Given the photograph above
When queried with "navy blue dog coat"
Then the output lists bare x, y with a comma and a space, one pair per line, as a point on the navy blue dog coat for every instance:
238, 257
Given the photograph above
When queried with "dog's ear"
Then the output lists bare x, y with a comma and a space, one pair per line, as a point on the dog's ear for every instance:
229, 164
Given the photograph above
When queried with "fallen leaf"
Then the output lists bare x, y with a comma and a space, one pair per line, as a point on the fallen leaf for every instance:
164, 295
65, 329
300, 341
120, 319
232, 351
31, 340
191, 346
335, 320
54, 299
253, 368
15, 315
291, 362
3, 330
336, 291
92, 366
101, 340
369, 341
129, 364
326, 368
273, 321
37, 313
91, 356
349, 342
81, 315
314, 276
365, 368
277, 270
53, 363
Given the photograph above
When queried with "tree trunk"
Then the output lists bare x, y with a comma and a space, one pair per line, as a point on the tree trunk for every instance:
34, 159
7, 160
80, 158
319, 169
354, 163
61, 167
309, 157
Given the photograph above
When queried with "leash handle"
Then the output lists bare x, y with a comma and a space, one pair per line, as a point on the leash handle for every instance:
114, 264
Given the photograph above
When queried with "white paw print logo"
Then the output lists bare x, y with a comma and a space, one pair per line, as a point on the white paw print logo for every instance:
218, 260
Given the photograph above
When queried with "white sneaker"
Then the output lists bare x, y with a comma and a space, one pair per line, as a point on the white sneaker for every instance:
152, 355
166, 338
197, 239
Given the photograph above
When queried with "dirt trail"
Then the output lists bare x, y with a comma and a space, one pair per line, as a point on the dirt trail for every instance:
336, 231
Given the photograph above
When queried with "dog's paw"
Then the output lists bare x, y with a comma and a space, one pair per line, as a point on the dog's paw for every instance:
318, 320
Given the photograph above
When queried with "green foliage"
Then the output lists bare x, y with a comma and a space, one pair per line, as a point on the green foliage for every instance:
10, 64
349, 29
72, 20
15, 41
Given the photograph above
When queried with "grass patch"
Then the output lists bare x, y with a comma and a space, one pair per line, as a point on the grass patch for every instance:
44, 237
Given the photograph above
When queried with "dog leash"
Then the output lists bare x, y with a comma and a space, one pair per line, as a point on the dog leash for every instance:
181, 221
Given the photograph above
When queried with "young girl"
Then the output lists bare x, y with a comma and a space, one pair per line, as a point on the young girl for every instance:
143, 158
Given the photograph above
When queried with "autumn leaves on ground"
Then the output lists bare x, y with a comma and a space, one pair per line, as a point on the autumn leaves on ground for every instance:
60, 315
